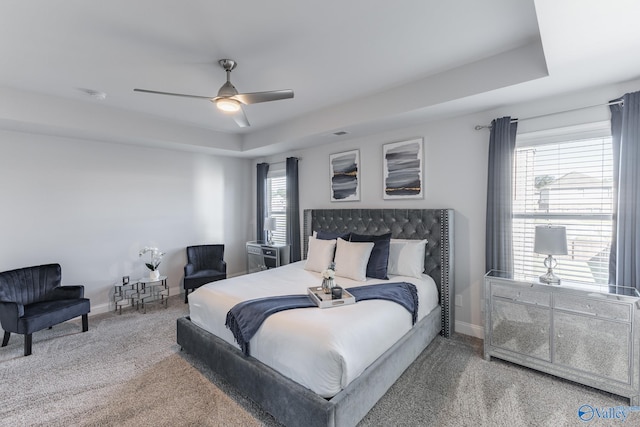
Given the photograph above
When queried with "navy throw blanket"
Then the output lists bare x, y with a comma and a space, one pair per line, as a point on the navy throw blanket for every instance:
402, 293
245, 318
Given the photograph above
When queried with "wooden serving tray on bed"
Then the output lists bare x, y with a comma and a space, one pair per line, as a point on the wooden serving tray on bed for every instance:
323, 300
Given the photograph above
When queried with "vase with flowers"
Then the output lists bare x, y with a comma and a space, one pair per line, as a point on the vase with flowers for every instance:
328, 278
152, 265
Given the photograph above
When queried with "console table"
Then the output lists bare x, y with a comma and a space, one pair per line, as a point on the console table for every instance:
141, 292
580, 332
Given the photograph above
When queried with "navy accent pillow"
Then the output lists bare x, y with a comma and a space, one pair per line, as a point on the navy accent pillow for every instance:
379, 258
330, 235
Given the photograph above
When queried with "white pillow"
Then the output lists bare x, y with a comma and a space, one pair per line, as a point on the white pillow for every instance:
352, 258
406, 257
319, 254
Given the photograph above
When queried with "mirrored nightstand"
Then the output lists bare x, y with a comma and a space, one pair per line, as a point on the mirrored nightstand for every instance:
262, 256
584, 333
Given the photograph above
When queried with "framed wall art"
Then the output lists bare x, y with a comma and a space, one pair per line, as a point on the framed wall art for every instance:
345, 176
402, 170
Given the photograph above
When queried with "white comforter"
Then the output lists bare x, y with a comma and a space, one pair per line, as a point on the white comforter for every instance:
322, 349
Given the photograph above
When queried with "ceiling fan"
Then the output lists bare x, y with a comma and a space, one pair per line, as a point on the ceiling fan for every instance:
228, 98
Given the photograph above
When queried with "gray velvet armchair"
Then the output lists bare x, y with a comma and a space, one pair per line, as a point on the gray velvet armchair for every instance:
31, 299
205, 263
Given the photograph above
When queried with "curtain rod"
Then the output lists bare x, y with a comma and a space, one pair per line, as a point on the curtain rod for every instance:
284, 161
478, 127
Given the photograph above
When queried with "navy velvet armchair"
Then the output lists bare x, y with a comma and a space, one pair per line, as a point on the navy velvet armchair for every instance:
205, 263
31, 299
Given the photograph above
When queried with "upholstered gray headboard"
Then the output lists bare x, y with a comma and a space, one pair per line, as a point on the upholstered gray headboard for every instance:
434, 225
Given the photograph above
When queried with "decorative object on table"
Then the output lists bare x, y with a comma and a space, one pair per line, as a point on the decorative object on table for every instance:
327, 278
550, 240
323, 300
156, 257
402, 170
270, 226
336, 292
345, 176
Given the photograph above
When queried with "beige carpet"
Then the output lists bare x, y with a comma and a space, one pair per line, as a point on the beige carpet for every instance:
127, 370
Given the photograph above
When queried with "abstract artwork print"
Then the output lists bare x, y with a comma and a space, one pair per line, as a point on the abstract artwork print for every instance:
345, 179
402, 164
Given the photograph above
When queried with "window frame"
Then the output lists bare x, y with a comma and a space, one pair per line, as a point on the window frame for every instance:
280, 234
528, 263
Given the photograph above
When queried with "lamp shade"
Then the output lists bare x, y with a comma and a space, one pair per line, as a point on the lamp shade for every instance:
550, 240
270, 223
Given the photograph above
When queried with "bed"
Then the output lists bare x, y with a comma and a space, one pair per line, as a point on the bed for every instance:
295, 401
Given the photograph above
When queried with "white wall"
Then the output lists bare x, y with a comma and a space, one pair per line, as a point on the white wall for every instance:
456, 158
91, 206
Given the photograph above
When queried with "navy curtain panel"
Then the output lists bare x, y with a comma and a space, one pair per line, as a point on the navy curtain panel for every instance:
624, 265
261, 201
293, 209
499, 239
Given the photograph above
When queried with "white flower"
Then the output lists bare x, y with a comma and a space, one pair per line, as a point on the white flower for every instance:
328, 273
156, 257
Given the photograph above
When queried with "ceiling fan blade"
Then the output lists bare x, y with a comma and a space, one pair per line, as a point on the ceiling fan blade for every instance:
172, 94
241, 119
228, 99
256, 97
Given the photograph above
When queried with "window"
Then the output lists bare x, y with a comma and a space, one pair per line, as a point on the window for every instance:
277, 204
565, 179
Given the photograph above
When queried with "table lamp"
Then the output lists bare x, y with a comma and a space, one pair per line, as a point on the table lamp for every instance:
270, 226
550, 240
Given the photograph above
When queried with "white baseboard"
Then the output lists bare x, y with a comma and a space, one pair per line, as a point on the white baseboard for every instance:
469, 329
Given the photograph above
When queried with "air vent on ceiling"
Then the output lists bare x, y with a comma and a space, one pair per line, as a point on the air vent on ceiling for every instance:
100, 96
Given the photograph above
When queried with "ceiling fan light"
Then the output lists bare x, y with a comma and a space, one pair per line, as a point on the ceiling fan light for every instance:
228, 105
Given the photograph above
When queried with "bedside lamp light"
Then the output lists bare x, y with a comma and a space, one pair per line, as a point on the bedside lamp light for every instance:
550, 240
270, 226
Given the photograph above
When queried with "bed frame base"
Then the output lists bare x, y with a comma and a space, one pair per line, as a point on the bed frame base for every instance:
289, 402
293, 404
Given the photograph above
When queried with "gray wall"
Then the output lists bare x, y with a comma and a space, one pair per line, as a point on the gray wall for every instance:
455, 176
91, 206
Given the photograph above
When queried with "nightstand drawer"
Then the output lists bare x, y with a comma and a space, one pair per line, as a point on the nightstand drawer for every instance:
593, 307
269, 252
254, 250
521, 294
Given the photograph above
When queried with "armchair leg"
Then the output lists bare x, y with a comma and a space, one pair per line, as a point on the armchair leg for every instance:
186, 293
5, 340
27, 344
85, 322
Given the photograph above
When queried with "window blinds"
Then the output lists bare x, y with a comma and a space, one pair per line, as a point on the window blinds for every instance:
277, 205
565, 183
